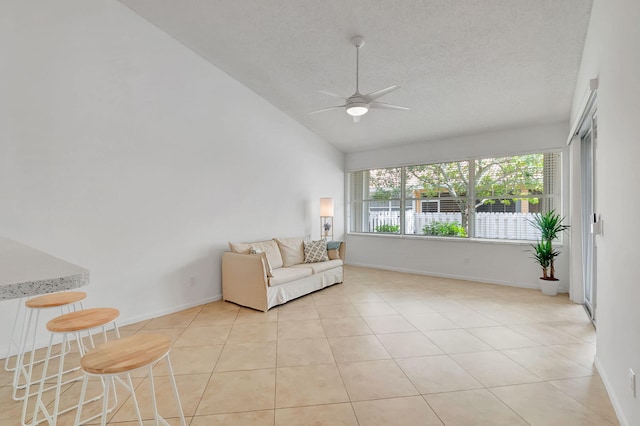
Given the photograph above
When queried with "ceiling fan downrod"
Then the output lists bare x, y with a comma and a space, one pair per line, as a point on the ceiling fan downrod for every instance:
358, 42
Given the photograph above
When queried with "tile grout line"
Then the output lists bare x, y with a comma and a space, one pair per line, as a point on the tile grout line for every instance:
195, 410
344, 385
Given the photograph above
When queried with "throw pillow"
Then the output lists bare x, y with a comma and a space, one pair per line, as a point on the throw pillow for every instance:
315, 251
267, 265
292, 250
333, 250
269, 247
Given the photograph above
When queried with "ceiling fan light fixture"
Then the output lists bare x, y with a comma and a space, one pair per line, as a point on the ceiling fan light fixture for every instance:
357, 110
358, 104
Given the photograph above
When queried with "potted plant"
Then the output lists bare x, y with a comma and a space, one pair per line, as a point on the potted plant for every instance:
550, 226
327, 228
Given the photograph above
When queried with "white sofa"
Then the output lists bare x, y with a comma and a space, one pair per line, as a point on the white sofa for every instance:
277, 273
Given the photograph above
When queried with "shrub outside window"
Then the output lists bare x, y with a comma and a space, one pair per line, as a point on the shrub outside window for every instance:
491, 198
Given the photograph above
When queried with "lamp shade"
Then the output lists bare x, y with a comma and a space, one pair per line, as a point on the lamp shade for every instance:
326, 207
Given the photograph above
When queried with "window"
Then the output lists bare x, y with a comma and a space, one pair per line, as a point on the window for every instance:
481, 198
376, 200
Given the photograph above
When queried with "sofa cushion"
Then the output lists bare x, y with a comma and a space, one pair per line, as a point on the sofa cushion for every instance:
321, 266
269, 247
292, 250
285, 275
315, 251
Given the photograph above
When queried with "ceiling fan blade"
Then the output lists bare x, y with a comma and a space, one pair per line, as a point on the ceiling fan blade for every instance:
333, 95
382, 105
379, 93
327, 109
357, 119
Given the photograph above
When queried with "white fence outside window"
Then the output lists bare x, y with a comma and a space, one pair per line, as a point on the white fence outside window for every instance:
499, 226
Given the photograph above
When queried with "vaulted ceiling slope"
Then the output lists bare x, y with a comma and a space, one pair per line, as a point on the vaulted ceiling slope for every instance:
463, 66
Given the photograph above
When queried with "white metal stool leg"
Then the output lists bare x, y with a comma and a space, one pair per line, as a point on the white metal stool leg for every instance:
135, 400
12, 341
154, 403
83, 392
123, 356
20, 370
105, 410
174, 385
23, 372
105, 405
57, 386
67, 326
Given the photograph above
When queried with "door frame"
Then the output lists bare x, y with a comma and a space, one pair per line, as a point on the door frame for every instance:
588, 135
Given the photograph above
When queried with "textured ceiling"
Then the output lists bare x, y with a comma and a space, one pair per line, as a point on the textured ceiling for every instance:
463, 66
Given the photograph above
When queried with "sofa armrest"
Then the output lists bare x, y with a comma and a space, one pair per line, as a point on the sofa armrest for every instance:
342, 252
244, 280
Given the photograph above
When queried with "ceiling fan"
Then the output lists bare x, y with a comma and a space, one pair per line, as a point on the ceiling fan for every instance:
358, 104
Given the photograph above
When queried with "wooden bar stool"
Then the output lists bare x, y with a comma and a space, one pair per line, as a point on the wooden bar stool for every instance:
123, 356
23, 374
67, 326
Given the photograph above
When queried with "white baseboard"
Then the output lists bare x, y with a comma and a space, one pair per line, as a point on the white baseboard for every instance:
44, 340
612, 395
452, 276
167, 311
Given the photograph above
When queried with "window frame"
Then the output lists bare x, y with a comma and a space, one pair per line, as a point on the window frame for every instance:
551, 197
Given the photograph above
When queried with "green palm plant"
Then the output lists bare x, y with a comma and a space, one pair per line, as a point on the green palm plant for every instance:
544, 254
550, 226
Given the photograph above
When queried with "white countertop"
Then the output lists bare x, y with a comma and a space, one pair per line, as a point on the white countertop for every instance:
25, 271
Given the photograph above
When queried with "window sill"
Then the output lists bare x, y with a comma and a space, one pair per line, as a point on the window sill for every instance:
447, 239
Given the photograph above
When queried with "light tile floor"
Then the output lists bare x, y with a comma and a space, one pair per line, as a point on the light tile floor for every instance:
383, 348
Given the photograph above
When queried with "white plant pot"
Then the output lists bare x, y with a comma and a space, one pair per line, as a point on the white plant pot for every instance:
548, 287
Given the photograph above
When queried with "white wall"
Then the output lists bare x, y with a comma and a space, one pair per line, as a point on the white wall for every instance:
506, 142
492, 262
612, 54
126, 153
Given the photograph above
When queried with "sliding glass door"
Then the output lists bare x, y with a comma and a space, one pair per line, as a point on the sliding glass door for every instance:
588, 143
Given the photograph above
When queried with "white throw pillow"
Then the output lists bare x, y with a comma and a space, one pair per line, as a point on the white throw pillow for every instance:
292, 250
269, 247
315, 251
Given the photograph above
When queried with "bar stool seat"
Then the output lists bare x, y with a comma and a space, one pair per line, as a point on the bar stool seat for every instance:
24, 370
56, 299
122, 356
82, 320
126, 354
71, 324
